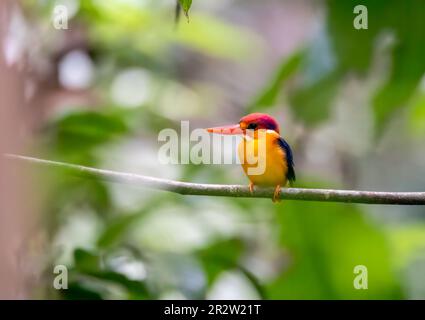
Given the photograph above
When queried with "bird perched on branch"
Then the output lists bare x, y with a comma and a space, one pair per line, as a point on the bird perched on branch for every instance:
265, 156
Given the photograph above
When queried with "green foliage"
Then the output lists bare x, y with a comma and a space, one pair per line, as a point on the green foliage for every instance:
407, 242
86, 261
91, 277
268, 96
325, 243
75, 135
116, 229
128, 37
353, 51
307, 250
186, 4
220, 256
354, 48
417, 115
312, 103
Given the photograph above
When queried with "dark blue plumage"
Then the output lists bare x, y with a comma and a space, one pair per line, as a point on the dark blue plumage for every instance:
290, 175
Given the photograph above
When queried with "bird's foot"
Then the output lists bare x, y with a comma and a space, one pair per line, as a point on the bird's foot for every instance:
251, 188
276, 194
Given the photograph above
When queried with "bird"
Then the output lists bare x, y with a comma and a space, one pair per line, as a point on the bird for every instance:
262, 147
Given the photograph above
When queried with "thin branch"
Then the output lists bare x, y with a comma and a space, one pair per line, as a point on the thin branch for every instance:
187, 188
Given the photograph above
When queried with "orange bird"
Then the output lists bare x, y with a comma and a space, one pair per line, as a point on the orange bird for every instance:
265, 156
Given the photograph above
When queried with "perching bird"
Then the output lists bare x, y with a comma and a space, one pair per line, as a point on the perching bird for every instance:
263, 148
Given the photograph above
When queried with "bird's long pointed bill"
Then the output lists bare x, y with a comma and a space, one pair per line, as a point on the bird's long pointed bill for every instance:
231, 129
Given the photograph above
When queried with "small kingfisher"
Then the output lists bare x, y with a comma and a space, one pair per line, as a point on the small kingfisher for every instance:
262, 142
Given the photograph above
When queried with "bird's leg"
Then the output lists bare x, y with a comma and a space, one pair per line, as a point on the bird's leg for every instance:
251, 187
276, 194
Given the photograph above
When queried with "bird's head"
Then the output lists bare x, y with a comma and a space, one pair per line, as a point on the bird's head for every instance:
252, 121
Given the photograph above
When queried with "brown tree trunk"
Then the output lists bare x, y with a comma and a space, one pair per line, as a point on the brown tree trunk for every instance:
16, 210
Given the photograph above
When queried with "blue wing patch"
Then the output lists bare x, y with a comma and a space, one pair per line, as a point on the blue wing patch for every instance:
290, 175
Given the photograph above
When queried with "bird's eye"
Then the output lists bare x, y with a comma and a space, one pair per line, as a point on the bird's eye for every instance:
252, 126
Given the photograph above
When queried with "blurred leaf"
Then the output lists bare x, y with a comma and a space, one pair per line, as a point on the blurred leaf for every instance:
68, 190
207, 34
407, 242
136, 288
417, 115
354, 48
270, 93
186, 4
389, 98
116, 229
89, 11
225, 255
94, 126
78, 291
408, 23
218, 38
220, 256
89, 264
75, 135
312, 104
255, 282
325, 243
86, 261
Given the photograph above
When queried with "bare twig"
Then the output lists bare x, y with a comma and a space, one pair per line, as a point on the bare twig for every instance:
188, 188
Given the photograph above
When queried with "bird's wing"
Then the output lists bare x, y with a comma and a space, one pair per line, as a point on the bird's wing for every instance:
290, 175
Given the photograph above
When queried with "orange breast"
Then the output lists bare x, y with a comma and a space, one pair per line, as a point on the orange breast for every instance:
262, 159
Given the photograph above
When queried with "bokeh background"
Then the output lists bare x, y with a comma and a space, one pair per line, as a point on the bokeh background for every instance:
350, 102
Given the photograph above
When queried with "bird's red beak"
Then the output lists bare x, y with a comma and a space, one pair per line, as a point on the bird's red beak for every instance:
231, 129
